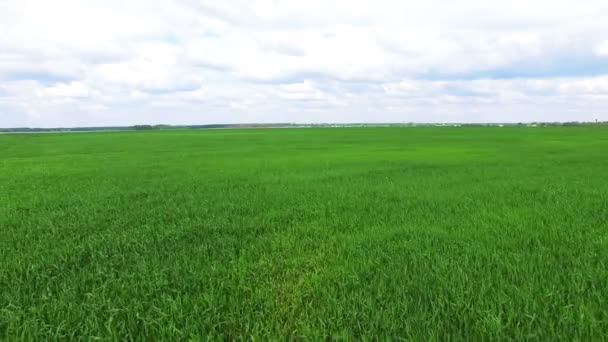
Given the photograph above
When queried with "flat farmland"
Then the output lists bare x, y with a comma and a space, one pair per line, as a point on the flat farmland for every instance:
427, 233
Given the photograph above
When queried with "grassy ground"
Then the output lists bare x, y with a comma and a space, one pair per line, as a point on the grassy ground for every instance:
420, 233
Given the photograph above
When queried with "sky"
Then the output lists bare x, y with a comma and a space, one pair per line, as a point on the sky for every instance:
113, 62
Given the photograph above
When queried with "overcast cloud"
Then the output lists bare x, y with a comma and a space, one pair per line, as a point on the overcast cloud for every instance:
111, 62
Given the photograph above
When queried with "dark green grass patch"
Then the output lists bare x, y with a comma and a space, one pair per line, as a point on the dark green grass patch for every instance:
414, 233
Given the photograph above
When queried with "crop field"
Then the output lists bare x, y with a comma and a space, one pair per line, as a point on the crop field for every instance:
428, 233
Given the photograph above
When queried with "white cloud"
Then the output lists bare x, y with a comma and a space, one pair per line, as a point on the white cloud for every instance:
69, 62
301, 91
66, 90
602, 48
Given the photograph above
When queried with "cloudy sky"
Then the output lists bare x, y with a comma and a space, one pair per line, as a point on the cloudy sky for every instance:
115, 62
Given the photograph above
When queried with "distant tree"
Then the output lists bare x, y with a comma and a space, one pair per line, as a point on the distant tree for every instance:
143, 127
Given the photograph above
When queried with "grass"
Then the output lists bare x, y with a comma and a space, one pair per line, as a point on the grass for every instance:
416, 233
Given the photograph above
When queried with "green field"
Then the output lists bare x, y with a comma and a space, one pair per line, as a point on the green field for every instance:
347, 233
